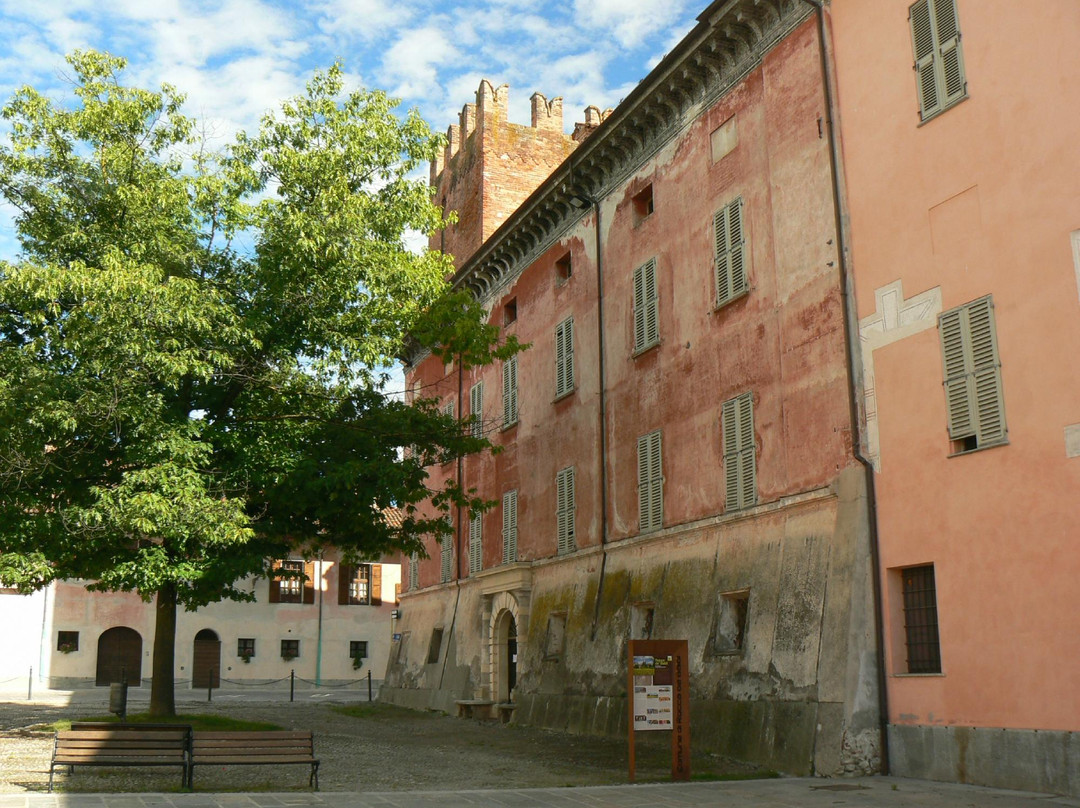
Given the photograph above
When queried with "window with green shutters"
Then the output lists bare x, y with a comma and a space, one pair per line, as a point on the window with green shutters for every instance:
476, 409
564, 357
646, 307
650, 483
939, 59
740, 469
510, 391
564, 510
972, 368
729, 251
476, 545
510, 527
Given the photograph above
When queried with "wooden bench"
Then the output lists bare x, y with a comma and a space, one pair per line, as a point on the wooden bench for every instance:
254, 749
122, 745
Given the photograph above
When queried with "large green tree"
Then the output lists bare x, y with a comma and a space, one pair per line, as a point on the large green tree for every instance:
191, 343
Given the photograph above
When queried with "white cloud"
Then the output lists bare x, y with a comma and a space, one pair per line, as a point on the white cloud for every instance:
366, 19
629, 23
412, 62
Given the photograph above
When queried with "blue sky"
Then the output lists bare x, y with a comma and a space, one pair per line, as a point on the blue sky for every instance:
236, 59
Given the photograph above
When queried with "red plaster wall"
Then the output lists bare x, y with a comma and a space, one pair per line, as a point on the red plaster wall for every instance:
979, 200
783, 341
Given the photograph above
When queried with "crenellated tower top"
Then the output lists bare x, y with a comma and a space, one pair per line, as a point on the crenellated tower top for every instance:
491, 165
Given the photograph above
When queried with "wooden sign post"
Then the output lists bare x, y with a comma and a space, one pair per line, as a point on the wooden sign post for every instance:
658, 686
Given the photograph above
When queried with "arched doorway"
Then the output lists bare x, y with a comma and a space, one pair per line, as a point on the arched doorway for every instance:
119, 656
506, 643
206, 660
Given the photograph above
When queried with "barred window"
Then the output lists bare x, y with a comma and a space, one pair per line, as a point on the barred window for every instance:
921, 620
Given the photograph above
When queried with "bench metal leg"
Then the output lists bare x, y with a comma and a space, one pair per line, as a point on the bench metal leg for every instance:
314, 778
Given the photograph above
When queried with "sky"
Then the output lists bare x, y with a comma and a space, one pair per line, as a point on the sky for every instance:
237, 59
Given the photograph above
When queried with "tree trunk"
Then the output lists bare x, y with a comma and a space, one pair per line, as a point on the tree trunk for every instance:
162, 693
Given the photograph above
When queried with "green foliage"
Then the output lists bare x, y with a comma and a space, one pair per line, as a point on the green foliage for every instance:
178, 410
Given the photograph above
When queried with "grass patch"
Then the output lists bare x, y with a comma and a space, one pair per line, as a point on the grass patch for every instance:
199, 722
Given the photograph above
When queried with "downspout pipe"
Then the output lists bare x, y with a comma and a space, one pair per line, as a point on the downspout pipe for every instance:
458, 526
585, 200
852, 351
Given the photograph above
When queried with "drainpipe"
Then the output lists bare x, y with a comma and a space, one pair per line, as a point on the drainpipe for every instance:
852, 350
457, 529
581, 200
318, 641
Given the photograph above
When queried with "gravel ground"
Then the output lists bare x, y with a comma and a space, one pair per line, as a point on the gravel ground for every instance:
383, 748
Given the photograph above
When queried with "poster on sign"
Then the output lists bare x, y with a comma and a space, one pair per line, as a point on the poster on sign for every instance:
653, 707
659, 688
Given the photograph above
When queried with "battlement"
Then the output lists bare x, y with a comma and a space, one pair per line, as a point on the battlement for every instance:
491, 111
490, 165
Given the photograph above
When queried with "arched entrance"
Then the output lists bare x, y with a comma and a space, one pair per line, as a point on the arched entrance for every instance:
506, 642
206, 660
119, 655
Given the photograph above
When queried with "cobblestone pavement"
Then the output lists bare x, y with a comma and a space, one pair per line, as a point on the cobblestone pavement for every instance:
863, 792
403, 759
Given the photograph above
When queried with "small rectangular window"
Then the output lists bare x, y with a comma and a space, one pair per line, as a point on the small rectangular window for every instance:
358, 649
939, 58
643, 203
555, 641
435, 646
510, 527
356, 579
729, 252
290, 649
565, 508
646, 307
510, 391
510, 311
740, 467
650, 483
67, 641
729, 625
921, 620
975, 405
564, 269
476, 543
564, 358
245, 648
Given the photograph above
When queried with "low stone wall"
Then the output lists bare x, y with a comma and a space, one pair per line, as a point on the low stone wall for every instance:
1027, 760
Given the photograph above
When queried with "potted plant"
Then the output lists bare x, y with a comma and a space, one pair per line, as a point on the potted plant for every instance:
66, 647
246, 656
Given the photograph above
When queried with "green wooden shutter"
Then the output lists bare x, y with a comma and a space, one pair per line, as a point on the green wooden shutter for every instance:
476, 524
565, 507
922, 37
947, 35
414, 571
959, 398
564, 357
740, 462
652, 309
639, 308
510, 502
973, 393
729, 252
476, 409
650, 482
510, 391
447, 555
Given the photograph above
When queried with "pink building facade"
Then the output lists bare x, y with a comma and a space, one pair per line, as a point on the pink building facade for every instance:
959, 122
677, 443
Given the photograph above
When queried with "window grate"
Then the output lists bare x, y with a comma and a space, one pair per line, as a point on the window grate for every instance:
921, 620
